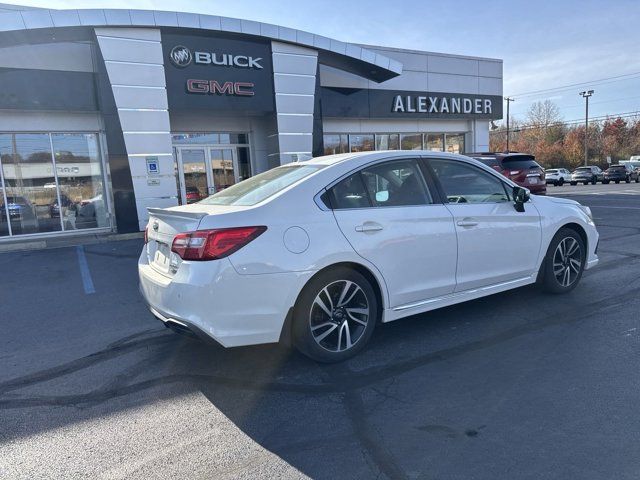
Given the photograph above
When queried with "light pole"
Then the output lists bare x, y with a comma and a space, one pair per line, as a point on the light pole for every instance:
508, 100
586, 94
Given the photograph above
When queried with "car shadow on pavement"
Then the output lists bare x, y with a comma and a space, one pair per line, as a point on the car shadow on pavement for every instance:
371, 415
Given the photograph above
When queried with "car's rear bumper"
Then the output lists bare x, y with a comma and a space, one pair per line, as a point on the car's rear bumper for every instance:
213, 300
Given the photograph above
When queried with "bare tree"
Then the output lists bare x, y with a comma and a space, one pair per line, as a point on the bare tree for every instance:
543, 114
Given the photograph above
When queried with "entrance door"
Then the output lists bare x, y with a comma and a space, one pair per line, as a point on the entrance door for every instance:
203, 171
193, 173
224, 168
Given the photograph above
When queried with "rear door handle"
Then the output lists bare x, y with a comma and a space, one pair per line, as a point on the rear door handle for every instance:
467, 222
369, 227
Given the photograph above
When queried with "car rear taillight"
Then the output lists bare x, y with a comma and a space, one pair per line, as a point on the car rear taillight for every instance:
213, 244
146, 234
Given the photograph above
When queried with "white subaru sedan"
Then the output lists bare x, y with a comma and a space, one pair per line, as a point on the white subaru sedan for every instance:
318, 252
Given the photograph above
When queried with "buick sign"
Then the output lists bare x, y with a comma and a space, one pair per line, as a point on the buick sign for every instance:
180, 56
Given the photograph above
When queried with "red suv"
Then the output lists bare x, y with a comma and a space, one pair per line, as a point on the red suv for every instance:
520, 168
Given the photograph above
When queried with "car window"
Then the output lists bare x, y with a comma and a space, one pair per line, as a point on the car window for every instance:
464, 183
490, 162
349, 193
396, 183
389, 184
520, 162
262, 186
552, 170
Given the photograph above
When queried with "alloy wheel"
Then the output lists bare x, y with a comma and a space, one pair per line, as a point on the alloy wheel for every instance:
567, 261
339, 316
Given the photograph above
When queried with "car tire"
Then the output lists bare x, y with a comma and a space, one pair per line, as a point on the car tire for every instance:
627, 180
560, 182
594, 180
585, 183
564, 262
323, 328
573, 183
605, 182
617, 182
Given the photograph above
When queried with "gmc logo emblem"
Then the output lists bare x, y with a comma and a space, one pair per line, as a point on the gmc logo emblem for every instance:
243, 89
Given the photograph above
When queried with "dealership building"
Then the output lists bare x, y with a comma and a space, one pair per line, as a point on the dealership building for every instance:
104, 113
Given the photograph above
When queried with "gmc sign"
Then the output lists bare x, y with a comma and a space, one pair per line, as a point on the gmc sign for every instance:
214, 87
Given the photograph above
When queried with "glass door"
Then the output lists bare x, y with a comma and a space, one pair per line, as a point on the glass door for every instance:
224, 168
193, 172
203, 171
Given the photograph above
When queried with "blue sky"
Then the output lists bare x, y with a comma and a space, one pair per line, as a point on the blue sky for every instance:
544, 44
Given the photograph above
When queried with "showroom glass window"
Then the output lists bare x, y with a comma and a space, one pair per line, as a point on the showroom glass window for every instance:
465, 184
387, 141
50, 182
335, 144
411, 141
361, 143
80, 180
455, 143
435, 142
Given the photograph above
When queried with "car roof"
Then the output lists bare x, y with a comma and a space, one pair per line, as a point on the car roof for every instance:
374, 155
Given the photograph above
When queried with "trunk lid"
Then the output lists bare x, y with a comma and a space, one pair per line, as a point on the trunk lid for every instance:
165, 223
163, 226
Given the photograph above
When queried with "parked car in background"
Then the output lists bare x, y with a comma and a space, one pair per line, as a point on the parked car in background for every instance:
557, 176
619, 173
520, 168
631, 169
19, 208
54, 207
193, 195
368, 238
586, 175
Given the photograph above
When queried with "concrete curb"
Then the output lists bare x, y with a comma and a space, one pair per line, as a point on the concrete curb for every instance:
66, 241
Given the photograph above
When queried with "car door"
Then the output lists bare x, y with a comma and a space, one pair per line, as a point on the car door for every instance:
495, 242
392, 218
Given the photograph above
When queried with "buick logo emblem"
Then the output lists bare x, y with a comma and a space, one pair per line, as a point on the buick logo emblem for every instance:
180, 56
155, 226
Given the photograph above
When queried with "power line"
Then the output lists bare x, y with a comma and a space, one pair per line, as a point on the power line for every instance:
571, 85
571, 122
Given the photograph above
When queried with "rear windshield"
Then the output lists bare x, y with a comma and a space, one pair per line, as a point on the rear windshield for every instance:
552, 170
522, 162
617, 167
583, 169
256, 189
489, 161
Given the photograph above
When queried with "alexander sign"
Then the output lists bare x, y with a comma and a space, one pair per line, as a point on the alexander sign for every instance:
441, 104
218, 74
372, 103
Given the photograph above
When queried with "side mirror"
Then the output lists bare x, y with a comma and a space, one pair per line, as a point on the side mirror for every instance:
382, 196
520, 197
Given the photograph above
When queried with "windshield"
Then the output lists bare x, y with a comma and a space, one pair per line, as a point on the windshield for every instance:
583, 169
262, 186
520, 162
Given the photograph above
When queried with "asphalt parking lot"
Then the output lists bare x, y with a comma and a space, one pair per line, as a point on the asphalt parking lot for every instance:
519, 385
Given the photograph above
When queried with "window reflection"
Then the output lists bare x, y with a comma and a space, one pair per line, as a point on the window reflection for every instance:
361, 143
411, 141
335, 144
45, 190
81, 202
29, 183
455, 143
435, 142
386, 141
